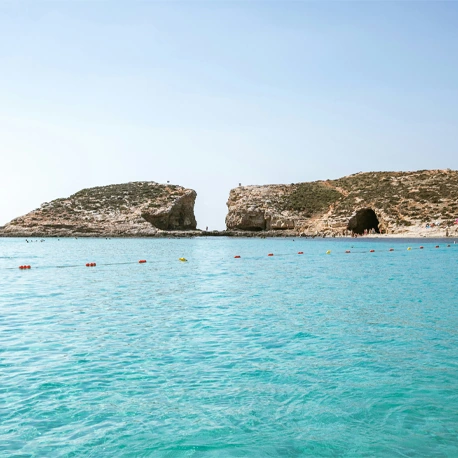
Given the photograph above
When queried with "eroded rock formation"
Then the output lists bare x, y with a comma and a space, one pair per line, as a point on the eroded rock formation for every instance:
255, 208
403, 203
130, 209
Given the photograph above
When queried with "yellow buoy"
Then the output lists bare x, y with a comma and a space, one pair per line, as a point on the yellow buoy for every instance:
182, 259
409, 248
328, 252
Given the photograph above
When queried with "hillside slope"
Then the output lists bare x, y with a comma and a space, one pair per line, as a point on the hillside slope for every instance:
130, 209
404, 202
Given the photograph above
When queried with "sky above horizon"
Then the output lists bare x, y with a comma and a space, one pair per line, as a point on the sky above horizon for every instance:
209, 94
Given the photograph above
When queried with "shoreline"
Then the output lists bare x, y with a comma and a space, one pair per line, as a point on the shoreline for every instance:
416, 234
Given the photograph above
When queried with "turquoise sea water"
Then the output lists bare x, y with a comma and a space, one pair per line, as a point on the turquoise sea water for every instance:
351, 355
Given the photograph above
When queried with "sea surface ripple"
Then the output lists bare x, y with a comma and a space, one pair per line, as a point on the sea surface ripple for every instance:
348, 355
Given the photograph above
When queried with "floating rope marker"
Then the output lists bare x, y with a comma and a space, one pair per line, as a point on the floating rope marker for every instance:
182, 259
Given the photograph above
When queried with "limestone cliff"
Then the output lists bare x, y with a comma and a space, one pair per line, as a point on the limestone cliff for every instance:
130, 209
404, 202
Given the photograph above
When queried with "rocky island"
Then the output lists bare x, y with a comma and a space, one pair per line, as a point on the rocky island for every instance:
411, 204
421, 203
135, 209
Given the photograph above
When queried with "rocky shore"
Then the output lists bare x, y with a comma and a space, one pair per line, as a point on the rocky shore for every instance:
374, 204
225, 233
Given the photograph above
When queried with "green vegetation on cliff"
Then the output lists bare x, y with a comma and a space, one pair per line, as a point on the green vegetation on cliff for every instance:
400, 199
402, 196
311, 198
422, 196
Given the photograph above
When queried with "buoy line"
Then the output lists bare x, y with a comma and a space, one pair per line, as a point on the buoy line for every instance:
88, 264
182, 259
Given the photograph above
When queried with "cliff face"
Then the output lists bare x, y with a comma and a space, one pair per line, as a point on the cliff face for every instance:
130, 209
404, 202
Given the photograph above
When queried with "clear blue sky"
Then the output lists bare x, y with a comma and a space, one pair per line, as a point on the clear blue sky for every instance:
208, 94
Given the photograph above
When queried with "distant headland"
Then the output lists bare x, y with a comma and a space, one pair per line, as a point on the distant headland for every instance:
416, 204
138, 209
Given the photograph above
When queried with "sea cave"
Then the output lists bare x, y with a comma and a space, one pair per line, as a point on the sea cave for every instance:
362, 220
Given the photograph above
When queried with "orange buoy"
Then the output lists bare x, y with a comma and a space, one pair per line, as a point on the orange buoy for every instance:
270, 254
87, 264
142, 261
27, 267
300, 252
391, 249
21, 267
347, 251
237, 257
372, 251
421, 248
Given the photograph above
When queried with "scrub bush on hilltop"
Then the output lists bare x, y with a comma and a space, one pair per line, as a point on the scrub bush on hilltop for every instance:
311, 198
401, 196
120, 197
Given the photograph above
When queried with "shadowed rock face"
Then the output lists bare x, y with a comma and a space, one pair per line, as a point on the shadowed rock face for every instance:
363, 219
178, 217
250, 221
250, 209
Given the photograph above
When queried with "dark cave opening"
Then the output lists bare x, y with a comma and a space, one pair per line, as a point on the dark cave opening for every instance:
364, 218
